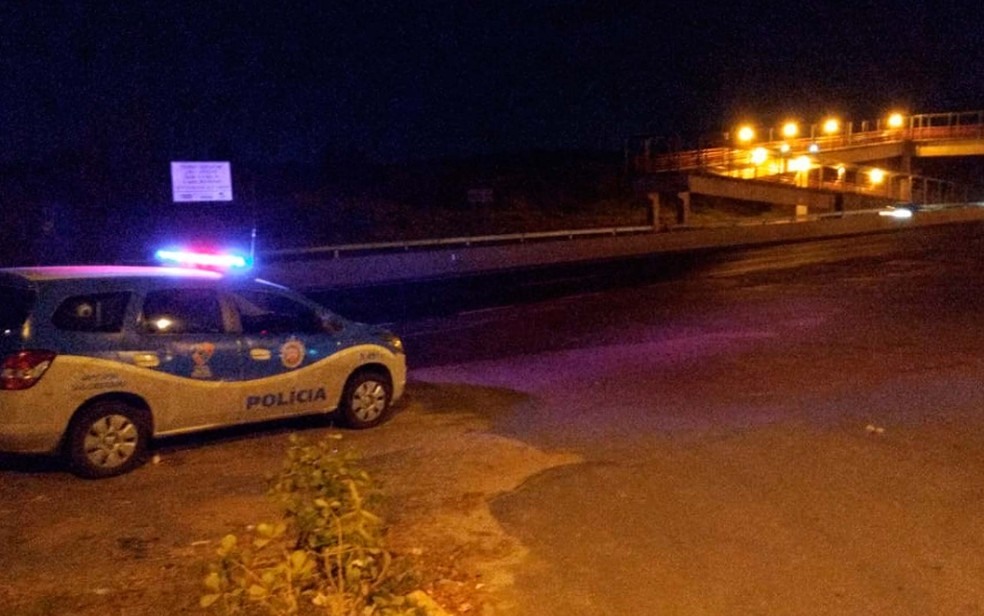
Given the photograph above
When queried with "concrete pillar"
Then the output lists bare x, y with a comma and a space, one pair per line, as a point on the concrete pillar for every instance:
653, 214
905, 181
905, 188
908, 149
683, 214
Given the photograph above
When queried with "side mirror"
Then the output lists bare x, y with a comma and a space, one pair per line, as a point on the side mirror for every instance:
332, 324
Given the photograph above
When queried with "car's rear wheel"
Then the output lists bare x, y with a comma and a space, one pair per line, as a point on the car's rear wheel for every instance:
106, 439
366, 400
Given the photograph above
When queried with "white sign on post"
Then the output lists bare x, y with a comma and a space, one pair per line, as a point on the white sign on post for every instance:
201, 181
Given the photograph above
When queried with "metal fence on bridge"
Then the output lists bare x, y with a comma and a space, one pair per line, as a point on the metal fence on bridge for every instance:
649, 155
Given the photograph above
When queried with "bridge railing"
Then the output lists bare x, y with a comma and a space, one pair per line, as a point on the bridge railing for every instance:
643, 153
340, 250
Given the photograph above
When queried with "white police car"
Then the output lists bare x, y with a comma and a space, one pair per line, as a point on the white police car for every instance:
97, 360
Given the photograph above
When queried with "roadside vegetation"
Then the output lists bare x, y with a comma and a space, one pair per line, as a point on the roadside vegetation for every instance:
344, 199
340, 200
489, 196
325, 555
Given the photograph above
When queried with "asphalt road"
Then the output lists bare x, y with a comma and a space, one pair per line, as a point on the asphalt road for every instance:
786, 430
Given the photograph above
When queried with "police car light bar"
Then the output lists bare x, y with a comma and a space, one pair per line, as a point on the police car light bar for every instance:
200, 259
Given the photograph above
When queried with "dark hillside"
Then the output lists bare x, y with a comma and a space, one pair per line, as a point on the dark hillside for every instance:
59, 213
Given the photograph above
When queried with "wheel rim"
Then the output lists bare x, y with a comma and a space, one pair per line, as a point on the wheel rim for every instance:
111, 441
368, 401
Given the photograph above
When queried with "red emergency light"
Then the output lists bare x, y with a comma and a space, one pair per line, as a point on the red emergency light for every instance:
186, 258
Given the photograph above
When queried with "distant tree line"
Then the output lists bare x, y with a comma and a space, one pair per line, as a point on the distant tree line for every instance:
102, 206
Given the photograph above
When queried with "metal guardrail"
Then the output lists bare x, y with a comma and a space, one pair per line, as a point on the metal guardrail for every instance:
340, 250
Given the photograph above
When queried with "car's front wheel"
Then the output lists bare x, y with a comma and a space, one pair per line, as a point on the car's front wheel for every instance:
106, 439
366, 400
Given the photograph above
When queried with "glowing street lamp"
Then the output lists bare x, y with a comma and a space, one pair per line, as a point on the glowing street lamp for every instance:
831, 126
746, 134
790, 130
800, 164
783, 153
896, 120
876, 176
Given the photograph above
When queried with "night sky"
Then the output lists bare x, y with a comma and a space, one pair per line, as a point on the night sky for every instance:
292, 81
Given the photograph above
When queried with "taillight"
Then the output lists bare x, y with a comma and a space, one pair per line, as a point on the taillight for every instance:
24, 369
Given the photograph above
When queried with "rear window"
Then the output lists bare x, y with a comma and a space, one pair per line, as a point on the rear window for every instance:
15, 307
101, 312
183, 311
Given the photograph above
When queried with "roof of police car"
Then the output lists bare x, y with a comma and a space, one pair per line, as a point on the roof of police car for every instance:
76, 272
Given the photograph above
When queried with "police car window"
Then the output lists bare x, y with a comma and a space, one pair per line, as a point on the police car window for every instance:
15, 307
182, 311
263, 313
101, 312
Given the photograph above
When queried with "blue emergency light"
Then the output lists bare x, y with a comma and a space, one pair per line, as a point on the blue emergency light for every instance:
186, 258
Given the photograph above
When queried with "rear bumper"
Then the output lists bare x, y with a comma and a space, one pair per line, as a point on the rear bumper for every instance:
30, 421
28, 438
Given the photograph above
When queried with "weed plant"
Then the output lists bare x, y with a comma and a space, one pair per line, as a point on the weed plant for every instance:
326, 554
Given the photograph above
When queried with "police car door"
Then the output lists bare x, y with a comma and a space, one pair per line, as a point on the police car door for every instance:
281, 338
186, 340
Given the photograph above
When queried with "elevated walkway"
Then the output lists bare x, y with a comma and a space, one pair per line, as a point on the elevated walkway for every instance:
831, 164
676, 191
931, 148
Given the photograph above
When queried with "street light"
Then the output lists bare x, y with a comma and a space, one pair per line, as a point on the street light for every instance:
790, 130
896, 120
831, 126
801, 163
746, 134
783, 153
876, 176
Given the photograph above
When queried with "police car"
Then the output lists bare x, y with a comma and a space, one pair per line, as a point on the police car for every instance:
98, 360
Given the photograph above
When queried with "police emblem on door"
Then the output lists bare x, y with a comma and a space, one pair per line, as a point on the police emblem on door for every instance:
200, 354
292, 353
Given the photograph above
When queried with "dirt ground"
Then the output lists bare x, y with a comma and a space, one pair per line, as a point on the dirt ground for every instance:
138, 545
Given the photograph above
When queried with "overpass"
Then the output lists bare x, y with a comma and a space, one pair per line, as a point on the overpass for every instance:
831, 170
823, 202
921, 135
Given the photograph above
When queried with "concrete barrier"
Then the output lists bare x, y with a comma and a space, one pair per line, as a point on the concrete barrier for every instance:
325, 272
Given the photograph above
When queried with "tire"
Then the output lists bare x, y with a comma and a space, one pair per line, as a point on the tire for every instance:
107, 439
366, 399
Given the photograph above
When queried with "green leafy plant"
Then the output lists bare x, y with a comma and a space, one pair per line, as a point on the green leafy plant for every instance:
326, 555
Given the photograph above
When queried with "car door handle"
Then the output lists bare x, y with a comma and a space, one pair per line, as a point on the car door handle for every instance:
146, 360
260, 354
